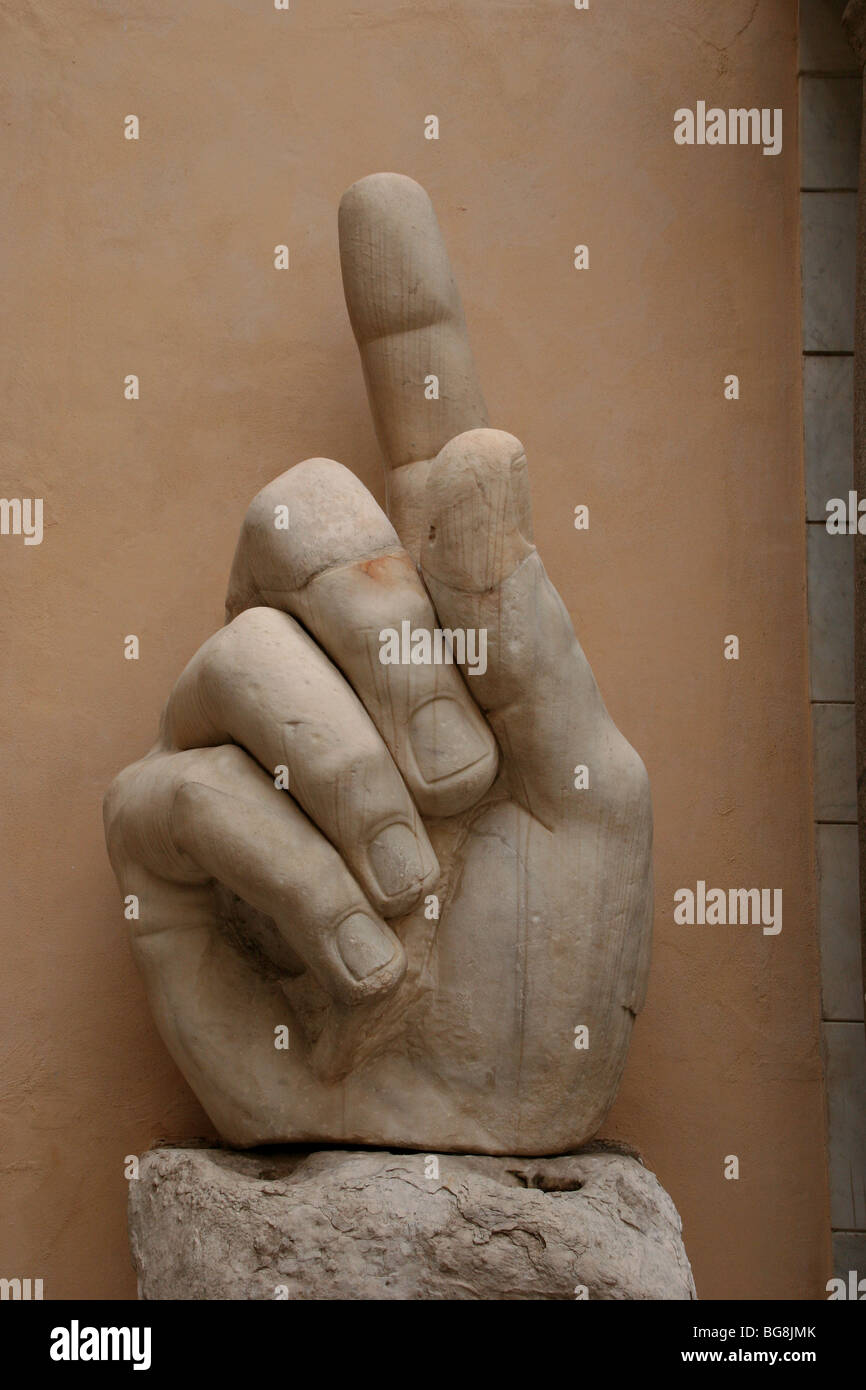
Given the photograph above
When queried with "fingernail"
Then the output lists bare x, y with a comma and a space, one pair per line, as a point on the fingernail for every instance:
444, 740
364, 946
395, 857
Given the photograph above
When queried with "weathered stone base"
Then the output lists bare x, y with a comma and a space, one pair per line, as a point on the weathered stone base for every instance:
369, 1224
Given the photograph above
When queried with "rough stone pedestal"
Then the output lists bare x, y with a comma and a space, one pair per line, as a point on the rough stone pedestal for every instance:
362, 1224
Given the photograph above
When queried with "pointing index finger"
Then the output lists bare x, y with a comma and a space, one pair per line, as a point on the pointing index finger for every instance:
407, 318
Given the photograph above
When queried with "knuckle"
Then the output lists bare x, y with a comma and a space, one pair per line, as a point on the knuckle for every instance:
200, 775
225, 763
290, 488
114, 804
250, 641
258, 522
189, 801
249, 628
257, 556
195, 693
229, 649
631, 774
122, 802
354, 770
128, 808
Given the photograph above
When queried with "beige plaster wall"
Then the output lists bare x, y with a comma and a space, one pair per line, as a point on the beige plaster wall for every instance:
156, 258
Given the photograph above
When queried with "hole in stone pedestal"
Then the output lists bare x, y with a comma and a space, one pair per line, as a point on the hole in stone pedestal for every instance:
549, 1183
545, 1182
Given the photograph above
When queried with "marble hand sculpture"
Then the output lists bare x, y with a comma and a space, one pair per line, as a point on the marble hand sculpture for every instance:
373, 906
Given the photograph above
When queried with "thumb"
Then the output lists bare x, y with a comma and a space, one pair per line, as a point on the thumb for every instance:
527, 670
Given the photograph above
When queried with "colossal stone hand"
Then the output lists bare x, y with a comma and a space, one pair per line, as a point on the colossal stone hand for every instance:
308, 916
